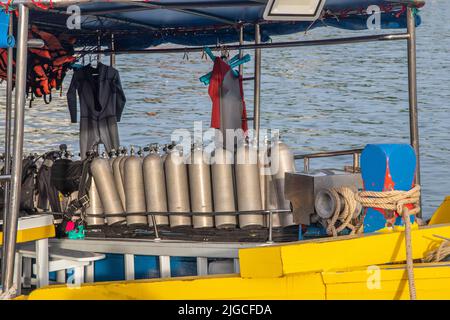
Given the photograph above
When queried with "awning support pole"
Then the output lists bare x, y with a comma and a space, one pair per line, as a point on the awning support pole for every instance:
16, 172
99, 46
412, 88
112, 58
241, 52
8, 117
257, 85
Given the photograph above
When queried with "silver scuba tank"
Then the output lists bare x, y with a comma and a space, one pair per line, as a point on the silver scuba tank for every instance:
223, 188
122, 171
200, 188
134, 191
118, 178
267, 184
95, 207
248, 186
104, 181
155, 186
177, 188
282, 162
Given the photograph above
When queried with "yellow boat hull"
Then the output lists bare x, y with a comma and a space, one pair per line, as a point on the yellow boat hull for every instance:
432, 282
357, 267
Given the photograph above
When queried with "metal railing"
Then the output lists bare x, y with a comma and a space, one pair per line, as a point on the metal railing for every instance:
328, 154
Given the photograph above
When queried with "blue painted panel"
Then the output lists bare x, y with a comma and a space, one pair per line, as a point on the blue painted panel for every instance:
146, 267
386, 167
112, 268
183, 266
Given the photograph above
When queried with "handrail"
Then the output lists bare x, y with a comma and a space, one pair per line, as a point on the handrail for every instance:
5, 177
329, 154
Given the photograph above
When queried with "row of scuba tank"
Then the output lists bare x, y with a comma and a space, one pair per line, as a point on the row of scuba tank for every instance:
160, 187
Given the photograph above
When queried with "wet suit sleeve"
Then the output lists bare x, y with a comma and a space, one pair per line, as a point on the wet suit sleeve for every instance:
120, 97
72, 98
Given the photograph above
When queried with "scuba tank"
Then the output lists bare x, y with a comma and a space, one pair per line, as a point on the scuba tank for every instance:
177, 187
285, 158
95, 207
248, 186
267, 184
200, 188
104, 181
223, 188
155, 186
134, 190
118, 177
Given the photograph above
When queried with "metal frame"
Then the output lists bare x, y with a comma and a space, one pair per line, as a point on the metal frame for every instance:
11, 217
164, 249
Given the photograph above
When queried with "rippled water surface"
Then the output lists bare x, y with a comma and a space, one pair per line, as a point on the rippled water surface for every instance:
321, 98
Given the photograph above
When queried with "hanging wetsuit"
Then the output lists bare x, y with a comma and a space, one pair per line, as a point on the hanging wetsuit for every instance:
101, 105
227, 95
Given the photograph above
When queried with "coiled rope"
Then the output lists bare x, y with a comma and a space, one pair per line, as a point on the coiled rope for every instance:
9, 294
397, 201
440, 253
348, 217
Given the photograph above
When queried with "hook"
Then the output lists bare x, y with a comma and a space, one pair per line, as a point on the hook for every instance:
224, 52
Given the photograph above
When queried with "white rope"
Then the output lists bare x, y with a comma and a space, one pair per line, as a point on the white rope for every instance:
406, 203
348, 217
442, 252
9, 294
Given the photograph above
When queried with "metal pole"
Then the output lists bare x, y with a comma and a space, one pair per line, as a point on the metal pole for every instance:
8, 116
306, 165
269, 45
112, 58
99, 46
270, 240
257, 85
16, 172
412, 88
241, 52
355, 161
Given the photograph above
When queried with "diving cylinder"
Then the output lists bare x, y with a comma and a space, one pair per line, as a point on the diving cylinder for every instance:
95, 207
177, 188
248, 186
155, 186
223, 188
118, 178
134, 191
122, 168
104, 181
200, 188
267, 184
282, 162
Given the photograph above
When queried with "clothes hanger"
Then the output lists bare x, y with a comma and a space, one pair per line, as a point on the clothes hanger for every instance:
233, 63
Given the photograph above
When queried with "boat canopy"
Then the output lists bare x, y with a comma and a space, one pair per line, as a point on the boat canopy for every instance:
143, 24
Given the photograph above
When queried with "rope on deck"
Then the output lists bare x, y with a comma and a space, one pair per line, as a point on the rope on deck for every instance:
406, 203
442, 252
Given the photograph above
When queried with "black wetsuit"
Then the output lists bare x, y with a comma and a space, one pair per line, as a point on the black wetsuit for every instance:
101, 104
